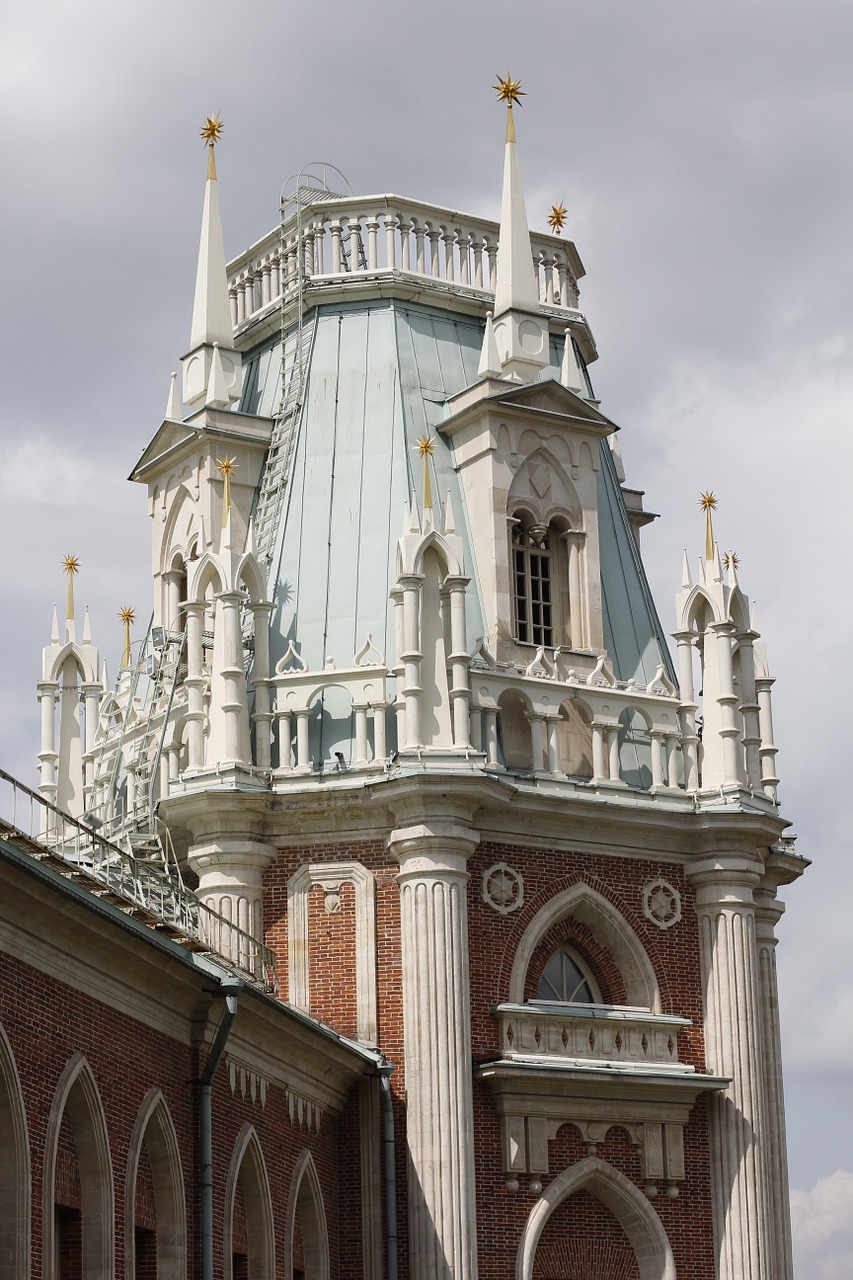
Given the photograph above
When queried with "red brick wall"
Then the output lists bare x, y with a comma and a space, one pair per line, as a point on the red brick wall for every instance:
582, 1240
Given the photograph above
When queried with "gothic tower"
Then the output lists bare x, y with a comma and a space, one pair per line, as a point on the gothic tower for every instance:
407, 715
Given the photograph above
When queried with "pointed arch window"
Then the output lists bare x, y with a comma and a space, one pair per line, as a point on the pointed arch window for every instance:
567, 979
533, 585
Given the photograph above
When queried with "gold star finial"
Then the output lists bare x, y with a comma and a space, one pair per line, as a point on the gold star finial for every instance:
211, 132
226, 468
557, 217
126, 616
708, 503
71, 565
509, 91
425, 448
731, 560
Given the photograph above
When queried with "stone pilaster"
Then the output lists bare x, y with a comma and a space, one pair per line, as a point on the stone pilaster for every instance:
767, 913
733, 1042
433, 853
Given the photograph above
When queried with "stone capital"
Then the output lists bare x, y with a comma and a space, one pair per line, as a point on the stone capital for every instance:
724, 880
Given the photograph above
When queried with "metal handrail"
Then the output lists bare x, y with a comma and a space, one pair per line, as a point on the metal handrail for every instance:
44, 831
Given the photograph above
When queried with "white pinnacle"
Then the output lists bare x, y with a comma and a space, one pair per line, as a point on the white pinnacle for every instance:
211, 308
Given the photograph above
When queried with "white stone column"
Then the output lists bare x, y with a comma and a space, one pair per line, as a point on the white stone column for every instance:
574, 541
433, 853
459, 661
749, 709
173, 580
231, 869
262, 683
767, 750
727, 701
47, 691
768, 910
599, 759
724, 886
194, 684
687, 710
92, 695
360, 713
412, 657
490, 736
234, 704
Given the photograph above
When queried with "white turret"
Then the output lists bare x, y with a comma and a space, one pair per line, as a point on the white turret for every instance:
211, 322
520, 332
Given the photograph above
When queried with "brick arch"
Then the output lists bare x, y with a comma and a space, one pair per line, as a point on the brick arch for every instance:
629, 1206
573, 933
78, 1099
607, 925
14, 1170
249, 1172
306, 1201
155, 1132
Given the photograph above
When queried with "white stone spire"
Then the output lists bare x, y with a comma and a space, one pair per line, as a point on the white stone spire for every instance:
211, 320
520, 332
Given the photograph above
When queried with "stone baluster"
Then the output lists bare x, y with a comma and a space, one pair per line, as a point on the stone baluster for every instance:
420, 260
727, 701
449, 238
548, 269
537, 741
232, 302
768, 910
433, 235
319, 242
492, 254
380, 749
463, 241
724, 882
372, 249
303, 752
308, 251
355, 242
613, 762
599, 759
537, 271
657, 759
285, 733
241, 299
275, 282
194, 684
476, 729
490, 736
433, 848
459, 660
361, 748
687, 710
412, 657
262, 685
390, 241
335, 231
405, 245
477, 246
562, 270
575, 539
767, 750
265, 282
48, 755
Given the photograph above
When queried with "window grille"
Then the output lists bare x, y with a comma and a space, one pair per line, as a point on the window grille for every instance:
532, 584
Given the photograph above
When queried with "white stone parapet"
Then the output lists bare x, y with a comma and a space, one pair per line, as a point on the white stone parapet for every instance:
599, 1035
361, 236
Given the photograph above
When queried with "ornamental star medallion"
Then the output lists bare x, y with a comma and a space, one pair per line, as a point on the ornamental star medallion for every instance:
661, 904
503, 888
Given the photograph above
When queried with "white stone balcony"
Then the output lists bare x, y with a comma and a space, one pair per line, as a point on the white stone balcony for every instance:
591, 1036
350, 238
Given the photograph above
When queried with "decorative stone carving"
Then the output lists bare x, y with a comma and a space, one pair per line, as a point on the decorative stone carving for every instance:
503, 888
249, 1084
661, 904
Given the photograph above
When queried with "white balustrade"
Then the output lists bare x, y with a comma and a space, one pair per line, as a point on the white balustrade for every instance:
590, 1033
341, 237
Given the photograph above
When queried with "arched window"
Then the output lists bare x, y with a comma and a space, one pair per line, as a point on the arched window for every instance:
566, 979
533, 582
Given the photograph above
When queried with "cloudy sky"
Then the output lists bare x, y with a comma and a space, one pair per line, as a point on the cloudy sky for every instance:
704, 153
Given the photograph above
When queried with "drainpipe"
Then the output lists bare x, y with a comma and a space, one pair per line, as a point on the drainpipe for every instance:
230, 988
384, 1073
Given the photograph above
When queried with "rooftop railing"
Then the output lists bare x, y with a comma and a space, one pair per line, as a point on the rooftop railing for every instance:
357, 236
141, 888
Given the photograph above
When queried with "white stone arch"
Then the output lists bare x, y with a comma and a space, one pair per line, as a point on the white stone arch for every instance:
516, 733
77, 1097
155, 1131
611, 930
73, 652
433, 541
14, 1170
696, 600
175, 539
561, 499
739, 609
206, 572
626, 1202
330, 876
306, 1199
249, 572
249, 1170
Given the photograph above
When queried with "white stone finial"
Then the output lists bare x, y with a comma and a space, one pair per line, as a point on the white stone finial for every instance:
449, 525
490, 361
686, 579
173, 403
87, 630
570, 374
54, 627
211, 320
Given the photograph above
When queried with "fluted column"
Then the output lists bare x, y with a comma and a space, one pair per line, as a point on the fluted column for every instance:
194, 684
768, 910
230, 872
733, 1043
433, 855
